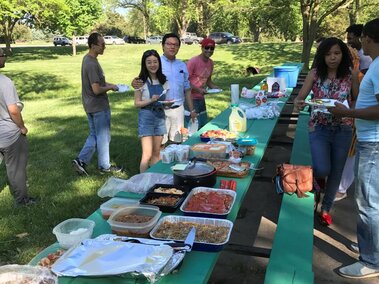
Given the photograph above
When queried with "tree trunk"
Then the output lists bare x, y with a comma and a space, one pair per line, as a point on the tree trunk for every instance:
7, 31
309, 14
255, 31
353, 12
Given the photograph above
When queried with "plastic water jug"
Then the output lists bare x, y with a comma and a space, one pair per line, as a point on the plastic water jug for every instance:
237, 120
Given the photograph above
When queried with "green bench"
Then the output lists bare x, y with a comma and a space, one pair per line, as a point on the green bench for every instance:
292, 251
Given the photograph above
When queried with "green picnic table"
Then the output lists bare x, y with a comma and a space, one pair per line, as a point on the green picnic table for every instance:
197, 266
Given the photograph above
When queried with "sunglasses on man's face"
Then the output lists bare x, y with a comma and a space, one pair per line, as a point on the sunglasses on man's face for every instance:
209, 48
3, 55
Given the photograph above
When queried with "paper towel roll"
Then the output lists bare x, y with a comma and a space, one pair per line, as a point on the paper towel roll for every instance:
235, 93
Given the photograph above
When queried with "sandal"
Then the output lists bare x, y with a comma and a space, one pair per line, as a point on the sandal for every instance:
325, 219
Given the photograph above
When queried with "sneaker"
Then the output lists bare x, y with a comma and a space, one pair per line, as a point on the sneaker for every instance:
340, 196
79, 167
353, 247
358, 271
26, 201
111, 169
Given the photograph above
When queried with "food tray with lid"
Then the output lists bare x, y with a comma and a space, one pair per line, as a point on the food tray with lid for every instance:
134, 220
108, 207
206, 151
167, 203
209, 202
211, 234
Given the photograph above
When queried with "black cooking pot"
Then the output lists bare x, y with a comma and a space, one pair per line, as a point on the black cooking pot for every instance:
197, 173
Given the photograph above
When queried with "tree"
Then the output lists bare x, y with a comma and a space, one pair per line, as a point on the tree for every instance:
313, 12
144, 7
30, 12
82, 17
22, 33
114, 24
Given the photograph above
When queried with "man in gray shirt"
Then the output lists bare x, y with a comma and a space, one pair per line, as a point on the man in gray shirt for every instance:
13, 141
96, 105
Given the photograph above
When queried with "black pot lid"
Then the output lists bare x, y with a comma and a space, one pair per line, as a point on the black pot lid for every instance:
196, 168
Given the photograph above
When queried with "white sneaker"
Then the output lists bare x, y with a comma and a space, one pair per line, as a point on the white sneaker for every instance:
354, 247
340, 196
357, 271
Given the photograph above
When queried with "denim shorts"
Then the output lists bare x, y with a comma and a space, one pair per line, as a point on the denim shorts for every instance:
151, 122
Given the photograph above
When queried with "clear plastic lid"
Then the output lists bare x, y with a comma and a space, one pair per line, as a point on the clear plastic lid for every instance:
117, 202
136, 210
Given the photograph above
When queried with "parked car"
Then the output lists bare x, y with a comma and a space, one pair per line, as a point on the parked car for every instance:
154, 39
223, 37
191, 38
112, 39
134, 39
81, 40
61, 41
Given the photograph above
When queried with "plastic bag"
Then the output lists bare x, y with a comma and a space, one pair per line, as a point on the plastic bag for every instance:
14, 273
269, 111
139, 183
193, 127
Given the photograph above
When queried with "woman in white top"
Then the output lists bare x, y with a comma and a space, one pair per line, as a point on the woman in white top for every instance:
151, 116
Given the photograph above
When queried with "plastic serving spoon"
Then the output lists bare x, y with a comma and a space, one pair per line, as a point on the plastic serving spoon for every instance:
163, 93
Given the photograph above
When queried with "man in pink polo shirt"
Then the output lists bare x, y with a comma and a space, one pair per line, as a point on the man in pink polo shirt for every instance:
200, 69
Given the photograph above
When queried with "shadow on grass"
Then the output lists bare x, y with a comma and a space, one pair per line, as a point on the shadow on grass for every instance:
28, 53
262, 53
33, 86
62, 193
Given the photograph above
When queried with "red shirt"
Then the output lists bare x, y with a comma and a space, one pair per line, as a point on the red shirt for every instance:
199, 72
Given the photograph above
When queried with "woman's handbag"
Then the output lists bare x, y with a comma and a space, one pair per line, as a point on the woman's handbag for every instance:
294, 179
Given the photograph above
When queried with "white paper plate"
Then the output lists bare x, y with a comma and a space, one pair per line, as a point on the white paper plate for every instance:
214, 91
168, 102
322, 102
122, 88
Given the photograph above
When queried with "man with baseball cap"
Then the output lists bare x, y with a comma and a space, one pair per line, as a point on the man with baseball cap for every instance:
200, 69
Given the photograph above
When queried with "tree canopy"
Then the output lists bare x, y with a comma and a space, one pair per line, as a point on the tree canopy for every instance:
254, 20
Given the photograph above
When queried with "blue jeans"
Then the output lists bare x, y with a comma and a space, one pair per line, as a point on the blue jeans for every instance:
367, 199
98, 139
329, 148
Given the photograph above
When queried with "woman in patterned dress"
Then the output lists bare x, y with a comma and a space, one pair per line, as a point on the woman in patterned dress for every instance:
329, 136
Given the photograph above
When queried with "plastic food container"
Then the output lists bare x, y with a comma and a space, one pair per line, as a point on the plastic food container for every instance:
169, 189
248, 144
182, 225
209, 151
107, 208
134, 220
167, 203
167, 156
212, 194
72, 231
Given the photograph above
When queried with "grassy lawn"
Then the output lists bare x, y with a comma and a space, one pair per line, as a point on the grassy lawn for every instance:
48, 81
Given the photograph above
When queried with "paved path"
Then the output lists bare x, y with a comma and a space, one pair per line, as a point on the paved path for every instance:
257, 223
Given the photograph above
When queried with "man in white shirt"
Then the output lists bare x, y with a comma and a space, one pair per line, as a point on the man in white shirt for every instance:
176, 73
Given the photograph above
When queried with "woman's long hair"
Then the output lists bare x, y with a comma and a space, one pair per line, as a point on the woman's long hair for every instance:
144, 74
343, 69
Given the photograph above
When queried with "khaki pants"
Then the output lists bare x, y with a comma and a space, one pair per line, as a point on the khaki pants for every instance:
174, 122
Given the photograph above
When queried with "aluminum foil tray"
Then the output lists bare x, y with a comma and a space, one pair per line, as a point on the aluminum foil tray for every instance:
208, 214
199, 246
